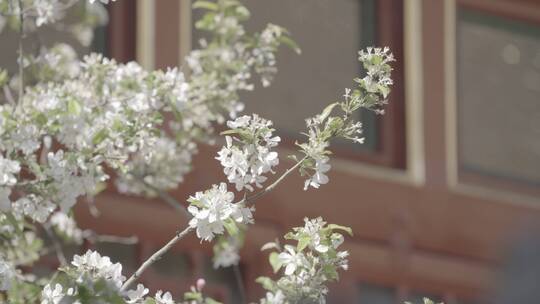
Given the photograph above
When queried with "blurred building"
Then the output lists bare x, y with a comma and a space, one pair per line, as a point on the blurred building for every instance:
446, 180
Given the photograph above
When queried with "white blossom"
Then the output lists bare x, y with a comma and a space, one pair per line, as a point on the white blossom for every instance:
292, 259
136, 295
67, 226
248, 155
6, 275
8, 170
319, 177
274, 298
34, 207
45, 10
51, 295
92, 263
163, 298
5, 203
210, 210
226, 256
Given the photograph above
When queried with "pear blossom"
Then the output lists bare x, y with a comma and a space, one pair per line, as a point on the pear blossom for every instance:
8, 170
97, 266
226, 256
51, 295
319, 177
212, 208
164, 298
67, 226
248, 154
6, 275
291, 259
137, 295
34, 207
274, 298
45, 10
5, 203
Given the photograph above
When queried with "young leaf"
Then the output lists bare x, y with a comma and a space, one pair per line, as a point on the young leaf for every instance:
339, 227
274, 260
205, 5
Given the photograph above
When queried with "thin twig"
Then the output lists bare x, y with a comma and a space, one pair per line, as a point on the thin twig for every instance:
9, 96
274, 184
240, 283
169, 199
57, 246
21, 52
155, 257
93, 237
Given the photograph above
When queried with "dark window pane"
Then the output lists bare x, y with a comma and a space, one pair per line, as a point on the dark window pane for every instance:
376, 294
125, 254
174, 265
330, 34
498, 62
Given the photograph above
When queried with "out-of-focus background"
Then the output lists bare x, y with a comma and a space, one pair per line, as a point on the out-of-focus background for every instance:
444, 197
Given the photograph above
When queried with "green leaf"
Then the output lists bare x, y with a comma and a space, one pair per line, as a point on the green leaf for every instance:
327, 111
339, 227
274, 260
190, 295
100, 136
266, 283
211, 301
74, 108
13, 221
231, 227
303, 242
330, 272
3, 77
206, 5
243, 12
291, 43
230, 132
41, 119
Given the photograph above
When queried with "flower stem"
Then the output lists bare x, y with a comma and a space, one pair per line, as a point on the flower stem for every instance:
274, 184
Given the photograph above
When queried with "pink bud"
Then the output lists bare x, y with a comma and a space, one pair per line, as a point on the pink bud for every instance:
200, 284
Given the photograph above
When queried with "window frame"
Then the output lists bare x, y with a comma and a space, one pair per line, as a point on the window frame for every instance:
521, 11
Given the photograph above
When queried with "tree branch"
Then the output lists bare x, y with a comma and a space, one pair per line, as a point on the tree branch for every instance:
181, 234
240, 283
57, 246
155, 257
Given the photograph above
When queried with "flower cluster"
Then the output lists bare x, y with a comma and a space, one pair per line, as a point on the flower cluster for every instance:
248, 154
40, 13
96, 266
67, 227
6, 275
370, 94
226, 249
308, 266
67, 123
93, 278
214, 211
8, 171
